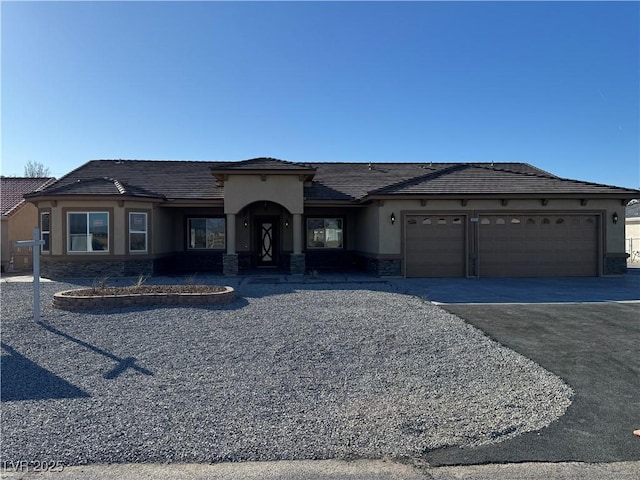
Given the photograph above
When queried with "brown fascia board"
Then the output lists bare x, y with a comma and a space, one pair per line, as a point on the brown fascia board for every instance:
192, 202
332, 203
485, 196
221, 175
45, 198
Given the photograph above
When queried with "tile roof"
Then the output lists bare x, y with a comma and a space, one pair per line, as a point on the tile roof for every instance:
147, 178
12, 190
476, 179
351, 182
262, 163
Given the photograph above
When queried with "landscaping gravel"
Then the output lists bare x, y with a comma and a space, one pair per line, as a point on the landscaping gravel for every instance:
308, 371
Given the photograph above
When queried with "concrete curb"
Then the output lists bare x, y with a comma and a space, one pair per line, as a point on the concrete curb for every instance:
332, 469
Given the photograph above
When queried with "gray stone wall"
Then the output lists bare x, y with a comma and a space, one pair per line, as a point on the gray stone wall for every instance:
297, 264
230, 265
615, 264
384, 267
60, 269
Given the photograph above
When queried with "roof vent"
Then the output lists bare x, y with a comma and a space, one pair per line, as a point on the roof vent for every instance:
370, 166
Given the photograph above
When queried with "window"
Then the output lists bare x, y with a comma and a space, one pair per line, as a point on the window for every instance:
88, 232
515, 221
45, 219
206, 233
324, 233
137, 232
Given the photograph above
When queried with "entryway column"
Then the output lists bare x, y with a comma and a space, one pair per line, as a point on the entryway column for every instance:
231, 233
297, 263
297, 233
230, 259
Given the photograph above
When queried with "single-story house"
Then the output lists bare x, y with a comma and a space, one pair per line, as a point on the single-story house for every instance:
17, 220
130, 217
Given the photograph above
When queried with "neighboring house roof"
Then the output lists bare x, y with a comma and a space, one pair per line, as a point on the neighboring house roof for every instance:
12, 190
351, 182
633, 210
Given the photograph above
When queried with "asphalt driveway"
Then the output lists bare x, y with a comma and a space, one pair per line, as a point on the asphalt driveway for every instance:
592, 343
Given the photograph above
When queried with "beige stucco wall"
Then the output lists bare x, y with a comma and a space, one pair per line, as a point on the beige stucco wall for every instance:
367, 229
390, 241
18, 226
118, 219
241, 190
4, 241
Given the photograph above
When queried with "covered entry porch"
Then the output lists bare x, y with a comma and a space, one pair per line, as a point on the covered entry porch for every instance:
264, 235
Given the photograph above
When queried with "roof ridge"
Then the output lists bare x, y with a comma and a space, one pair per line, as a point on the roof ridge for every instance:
545, 174
539, 172
121, 186
420, 178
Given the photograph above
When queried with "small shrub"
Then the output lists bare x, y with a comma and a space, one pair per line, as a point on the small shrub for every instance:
99, 284
191, 280
141, 279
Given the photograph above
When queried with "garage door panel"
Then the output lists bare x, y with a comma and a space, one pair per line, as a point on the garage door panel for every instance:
538, 245
434, 246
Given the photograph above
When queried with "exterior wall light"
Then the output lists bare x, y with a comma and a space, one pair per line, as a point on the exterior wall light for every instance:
393, 218
246, 224
614, 217
286, 223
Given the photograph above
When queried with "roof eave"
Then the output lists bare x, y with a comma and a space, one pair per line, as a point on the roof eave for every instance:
223, 174
193, 202
331, 203
37, 197
496, 195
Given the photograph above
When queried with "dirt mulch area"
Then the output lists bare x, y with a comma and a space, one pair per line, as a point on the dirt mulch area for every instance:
145, 289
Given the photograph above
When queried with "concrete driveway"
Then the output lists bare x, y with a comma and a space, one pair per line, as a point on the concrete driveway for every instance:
587, 331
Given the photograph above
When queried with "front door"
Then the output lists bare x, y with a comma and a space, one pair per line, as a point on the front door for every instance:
267, 241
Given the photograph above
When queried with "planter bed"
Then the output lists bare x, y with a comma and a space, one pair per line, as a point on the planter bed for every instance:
152, 295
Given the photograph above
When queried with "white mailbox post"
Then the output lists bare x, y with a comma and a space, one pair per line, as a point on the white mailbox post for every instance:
35, 247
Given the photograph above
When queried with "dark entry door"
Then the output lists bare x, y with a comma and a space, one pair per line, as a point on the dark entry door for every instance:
267, 241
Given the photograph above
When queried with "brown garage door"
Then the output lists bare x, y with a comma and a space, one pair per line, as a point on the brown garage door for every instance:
538, 245
435, 246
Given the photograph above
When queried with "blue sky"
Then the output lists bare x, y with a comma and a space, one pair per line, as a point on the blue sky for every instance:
552, 84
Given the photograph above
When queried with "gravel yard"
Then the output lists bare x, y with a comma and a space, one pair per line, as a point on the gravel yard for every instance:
286, 372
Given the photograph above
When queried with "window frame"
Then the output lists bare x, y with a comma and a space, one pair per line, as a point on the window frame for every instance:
44, 232
87, 214
325, 219
205, 248
131, 231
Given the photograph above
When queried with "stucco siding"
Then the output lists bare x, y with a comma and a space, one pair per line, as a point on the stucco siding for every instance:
4, 245
19, 226
390, 235
242, 190
367, 226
